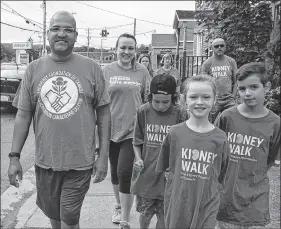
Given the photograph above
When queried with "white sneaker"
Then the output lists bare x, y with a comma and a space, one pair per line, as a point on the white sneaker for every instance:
116, 218
124, 225
277, 163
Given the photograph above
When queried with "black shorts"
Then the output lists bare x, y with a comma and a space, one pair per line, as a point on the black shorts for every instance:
60, 194
121, 157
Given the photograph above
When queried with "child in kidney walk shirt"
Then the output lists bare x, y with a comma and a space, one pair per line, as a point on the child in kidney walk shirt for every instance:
153, 121
196, 154
253, 132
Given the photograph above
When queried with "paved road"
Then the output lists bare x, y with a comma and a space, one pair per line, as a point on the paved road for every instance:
27, 159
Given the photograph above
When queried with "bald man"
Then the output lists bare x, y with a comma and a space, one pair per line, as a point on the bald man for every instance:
66, 96
223, 68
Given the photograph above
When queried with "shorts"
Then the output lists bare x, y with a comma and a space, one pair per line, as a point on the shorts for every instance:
121, 157
60, 194
219, 108
223, 225
149, 207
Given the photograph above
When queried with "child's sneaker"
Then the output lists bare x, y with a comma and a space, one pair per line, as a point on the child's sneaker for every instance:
277, 163
116, 218
124, 225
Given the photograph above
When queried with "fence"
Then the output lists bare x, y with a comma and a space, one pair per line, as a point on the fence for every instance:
193, 65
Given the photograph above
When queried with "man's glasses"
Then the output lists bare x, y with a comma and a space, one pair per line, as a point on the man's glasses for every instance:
64, 29
217, 46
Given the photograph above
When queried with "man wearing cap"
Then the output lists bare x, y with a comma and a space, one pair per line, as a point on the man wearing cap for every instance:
223, 68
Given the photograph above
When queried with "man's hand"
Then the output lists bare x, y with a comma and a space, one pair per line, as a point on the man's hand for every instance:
100, 169
138, 165
15, 171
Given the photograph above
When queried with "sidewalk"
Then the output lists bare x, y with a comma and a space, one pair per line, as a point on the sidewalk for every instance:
96, 210
99, 203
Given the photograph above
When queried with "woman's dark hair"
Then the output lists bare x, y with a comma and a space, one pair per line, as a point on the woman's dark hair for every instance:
257, 68
127, 35
175, 98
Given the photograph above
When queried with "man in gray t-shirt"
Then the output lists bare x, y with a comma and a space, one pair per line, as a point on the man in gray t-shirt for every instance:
66, 96
223, 69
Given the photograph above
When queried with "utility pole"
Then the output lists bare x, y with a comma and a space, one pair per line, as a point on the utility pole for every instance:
184, 53
44, 51
135, 24
88, 43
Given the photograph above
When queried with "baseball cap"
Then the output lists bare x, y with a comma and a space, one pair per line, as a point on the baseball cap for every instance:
163, 84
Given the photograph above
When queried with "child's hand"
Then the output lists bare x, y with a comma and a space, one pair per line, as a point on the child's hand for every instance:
138, 165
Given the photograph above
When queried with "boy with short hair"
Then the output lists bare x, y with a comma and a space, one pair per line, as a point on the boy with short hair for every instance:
253, 132
153, 122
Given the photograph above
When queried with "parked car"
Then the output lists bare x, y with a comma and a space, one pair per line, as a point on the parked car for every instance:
11, 76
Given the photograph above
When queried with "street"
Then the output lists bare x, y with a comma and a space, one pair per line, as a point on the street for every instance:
27, 155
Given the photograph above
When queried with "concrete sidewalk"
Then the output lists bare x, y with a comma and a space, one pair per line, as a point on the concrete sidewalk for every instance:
96, 211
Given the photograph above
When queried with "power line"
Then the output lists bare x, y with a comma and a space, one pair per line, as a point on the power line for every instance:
20, 27
122, 14
112, 27
16, 13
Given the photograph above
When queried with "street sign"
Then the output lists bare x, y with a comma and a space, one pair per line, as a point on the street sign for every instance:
24, 58
22, 45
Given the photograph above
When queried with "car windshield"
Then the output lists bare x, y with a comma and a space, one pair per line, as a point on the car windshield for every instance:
12, 73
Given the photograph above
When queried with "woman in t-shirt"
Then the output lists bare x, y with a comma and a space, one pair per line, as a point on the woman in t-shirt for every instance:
144, 59
167, 61
128, 87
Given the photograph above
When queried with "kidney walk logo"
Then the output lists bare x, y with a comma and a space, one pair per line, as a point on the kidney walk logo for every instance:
123, 80
223, 81
59, 94
241, 146
156, 134
195, 164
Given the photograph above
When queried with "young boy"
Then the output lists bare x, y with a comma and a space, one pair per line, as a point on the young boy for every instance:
153, 122
253, 132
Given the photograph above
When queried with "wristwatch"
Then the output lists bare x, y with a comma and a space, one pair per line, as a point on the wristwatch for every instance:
13, 154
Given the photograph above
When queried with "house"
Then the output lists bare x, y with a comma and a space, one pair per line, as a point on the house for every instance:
173, 43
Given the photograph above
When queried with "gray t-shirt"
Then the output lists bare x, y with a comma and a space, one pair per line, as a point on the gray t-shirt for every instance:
128, 89
151, 128
173, 71
254, 143
62, 97
224, 72
197, 163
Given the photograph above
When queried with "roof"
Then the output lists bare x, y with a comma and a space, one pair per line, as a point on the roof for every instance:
185, 14
182, 15
164, 40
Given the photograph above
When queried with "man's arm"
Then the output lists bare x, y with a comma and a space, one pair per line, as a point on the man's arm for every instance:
20, 133
104, 132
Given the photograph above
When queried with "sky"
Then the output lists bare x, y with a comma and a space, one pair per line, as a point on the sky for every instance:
93, 15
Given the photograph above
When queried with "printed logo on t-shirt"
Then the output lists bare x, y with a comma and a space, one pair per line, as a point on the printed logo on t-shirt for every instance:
125, 80
59, 95
195, 164
241, 146
156, 134
223, 78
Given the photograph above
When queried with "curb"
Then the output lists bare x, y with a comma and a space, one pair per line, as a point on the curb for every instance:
26, 212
